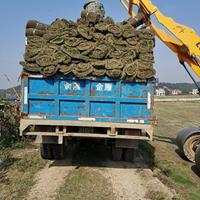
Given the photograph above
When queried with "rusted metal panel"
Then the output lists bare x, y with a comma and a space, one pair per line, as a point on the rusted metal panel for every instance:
98, 99
61, 128
94, 102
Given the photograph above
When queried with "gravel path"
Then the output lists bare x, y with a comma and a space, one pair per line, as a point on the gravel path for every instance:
128, 180
49, 179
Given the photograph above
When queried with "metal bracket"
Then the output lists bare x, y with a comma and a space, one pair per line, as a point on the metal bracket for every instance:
61, 133
112, 131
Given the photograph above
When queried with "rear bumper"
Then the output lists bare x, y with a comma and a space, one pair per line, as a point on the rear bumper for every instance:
60, 128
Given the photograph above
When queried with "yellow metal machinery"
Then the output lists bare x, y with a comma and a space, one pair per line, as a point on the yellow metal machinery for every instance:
185, 43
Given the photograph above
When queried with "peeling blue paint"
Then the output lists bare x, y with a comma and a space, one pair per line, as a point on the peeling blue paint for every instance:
106, 100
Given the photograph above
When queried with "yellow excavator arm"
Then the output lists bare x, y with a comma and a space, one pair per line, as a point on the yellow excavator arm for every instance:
185, 43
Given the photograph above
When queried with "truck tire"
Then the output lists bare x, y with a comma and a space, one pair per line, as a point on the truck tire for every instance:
189, 147
57, 151
197, 157
116, 153
129, 155
45, 151
187, 140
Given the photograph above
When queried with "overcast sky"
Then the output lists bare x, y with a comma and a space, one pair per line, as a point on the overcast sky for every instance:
15, 14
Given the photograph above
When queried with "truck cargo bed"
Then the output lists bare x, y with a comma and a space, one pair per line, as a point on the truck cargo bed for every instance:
95, 102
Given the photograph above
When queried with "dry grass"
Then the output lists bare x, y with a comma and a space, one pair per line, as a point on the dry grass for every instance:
177, 96
153, 195
17, 173
85, 183
181, 174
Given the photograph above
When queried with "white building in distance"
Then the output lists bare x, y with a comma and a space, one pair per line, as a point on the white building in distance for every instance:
160, 92
176, 92
194, 92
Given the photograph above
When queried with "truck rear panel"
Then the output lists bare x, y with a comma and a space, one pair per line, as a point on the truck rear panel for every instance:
65, 101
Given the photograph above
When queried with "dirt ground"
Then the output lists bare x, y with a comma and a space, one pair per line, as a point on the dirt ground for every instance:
88, 173
49, 179
127, 181
181, 174
138, 181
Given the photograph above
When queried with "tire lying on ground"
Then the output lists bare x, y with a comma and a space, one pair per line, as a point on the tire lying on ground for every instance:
187, 141
189, 147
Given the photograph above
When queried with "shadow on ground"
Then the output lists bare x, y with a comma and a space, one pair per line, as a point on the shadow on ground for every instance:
181, 155
164, 139
90, 154
196, 170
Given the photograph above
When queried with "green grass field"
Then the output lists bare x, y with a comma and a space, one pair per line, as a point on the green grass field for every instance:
17, 173
178, 173
177, 97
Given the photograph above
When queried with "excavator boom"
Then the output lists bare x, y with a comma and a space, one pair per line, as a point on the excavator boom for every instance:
185, 43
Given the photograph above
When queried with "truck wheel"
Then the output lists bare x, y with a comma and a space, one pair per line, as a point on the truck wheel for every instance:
57, 151
129, 155
45, 151
197, 157
116, 153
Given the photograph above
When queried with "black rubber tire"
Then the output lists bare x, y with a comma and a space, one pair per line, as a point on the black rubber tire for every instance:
45, 151
116, 153
129, 155
184, 134
186, 141
57, 151
197, 157
189, 147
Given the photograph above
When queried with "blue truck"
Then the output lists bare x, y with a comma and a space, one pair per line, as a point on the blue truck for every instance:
61, 108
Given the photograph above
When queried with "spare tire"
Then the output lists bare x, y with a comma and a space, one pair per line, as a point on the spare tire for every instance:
190, 147
187, 141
